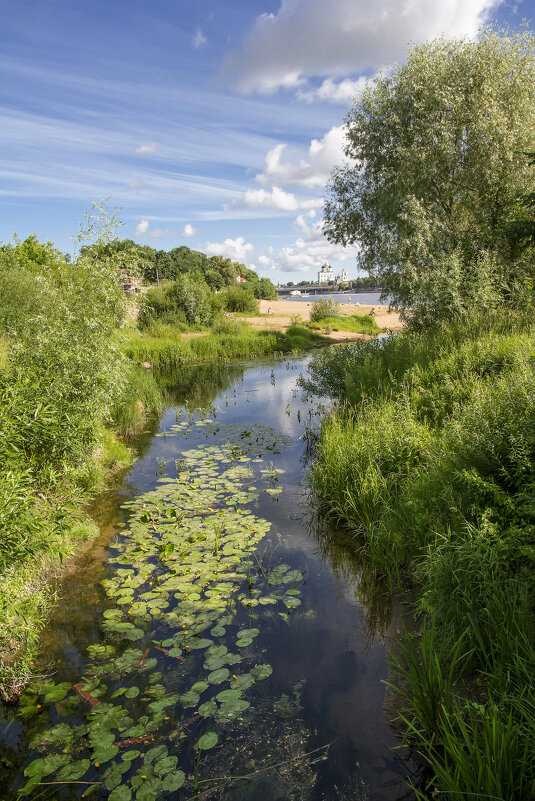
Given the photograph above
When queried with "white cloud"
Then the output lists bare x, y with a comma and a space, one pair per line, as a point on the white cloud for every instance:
277, 198
308, 253
332, 92
148, 149
142, 228
198, 40
189, 230
337, 38
289, 167
236, 249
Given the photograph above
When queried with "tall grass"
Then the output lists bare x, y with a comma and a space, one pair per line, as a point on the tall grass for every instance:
430, 460
241, 342
356, 323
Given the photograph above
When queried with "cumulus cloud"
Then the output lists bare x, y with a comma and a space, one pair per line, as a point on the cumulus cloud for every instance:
142, 228
309, 252
331, 91
188, 230
337, 38
283, 166
236, 249
148, 149
277, 198
198, 40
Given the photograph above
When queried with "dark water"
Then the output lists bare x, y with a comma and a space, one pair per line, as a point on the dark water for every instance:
316, 726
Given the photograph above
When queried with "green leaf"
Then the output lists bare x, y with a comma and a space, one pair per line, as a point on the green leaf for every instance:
228, 695
175, 781
121, 793
218, 676
262, 672
165, 765
132, 692
58, 693
207, 741
207, 709
74, 771
102, 755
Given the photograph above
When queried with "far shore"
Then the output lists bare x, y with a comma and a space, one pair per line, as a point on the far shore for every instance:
278, 314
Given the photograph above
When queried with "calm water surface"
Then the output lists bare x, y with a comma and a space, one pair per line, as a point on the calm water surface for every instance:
315, 726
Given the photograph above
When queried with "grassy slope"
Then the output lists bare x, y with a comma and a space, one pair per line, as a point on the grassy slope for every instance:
432, 465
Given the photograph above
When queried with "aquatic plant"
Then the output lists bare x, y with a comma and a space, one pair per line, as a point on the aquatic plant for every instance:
173, 664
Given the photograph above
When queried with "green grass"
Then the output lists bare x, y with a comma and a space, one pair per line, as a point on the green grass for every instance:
356, 324
430, 461
240, 342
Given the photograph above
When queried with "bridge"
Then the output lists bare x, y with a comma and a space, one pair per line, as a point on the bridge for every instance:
321, 289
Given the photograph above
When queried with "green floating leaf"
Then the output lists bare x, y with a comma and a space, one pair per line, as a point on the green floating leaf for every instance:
218, 631
121, 793
261, 672
190, 698
29, 786
165, 765
46, 765
207, 709
74, 771
200, 686
132, 692
197, 644
158, 752
58, 693
175, 781
102, 755
231, 709
217, 676
228, 695
207, 741
149, 790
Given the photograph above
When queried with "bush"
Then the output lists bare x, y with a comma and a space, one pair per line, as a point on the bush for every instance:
184, 303
239, 299
326, 307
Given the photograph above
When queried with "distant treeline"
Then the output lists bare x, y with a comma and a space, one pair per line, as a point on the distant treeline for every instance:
215, 271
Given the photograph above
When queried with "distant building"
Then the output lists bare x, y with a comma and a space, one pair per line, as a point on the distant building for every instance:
240, 280
325, 274
344, 276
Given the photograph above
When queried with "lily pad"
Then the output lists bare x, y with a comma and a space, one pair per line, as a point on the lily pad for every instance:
207, 741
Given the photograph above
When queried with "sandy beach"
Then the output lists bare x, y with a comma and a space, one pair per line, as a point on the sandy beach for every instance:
277, 314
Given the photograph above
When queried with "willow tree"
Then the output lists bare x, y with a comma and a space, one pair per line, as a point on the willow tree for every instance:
437, 161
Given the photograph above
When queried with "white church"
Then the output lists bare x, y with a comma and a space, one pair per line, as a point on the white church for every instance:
326, 275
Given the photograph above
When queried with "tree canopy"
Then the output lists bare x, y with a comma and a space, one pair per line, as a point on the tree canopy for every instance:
438, 160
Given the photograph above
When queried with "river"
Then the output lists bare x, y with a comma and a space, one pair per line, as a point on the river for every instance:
214, 631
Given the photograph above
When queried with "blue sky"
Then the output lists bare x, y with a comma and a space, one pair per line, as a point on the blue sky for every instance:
213, 124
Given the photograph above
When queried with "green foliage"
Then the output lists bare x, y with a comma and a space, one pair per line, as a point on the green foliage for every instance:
240, 299
437, 161
433, 467
356, 323
324, 308
184, 303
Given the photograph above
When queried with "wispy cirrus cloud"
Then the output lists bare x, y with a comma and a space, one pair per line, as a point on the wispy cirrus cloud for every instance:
147, 150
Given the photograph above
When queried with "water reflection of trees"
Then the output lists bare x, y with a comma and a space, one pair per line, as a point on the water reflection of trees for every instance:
198, 385
352, 569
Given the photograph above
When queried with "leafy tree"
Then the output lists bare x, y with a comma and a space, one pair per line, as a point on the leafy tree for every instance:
240, 299
186, 303
436, 160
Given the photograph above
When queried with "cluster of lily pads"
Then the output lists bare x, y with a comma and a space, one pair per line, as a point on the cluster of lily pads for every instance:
174, 665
